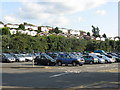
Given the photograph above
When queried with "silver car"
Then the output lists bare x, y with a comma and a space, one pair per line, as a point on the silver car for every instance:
7, 58
19, 57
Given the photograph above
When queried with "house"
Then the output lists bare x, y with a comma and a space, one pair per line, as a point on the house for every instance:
31, 27
64, 30
74, 32
12, 25
21, 31
27, 32
9, 25
44, 29
16, 26
100, 38
33, 33
83, 33
13, 31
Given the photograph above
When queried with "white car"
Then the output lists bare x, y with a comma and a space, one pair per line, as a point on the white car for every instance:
100, 60
28, 57
107, 59
19, 57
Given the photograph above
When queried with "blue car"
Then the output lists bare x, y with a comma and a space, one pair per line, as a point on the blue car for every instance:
68, 59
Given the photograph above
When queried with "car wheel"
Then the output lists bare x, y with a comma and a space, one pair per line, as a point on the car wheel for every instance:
66, 64
74, 63
91, 62
48, 63
59, 63
106, 61
35, 63
80, 64
17, 60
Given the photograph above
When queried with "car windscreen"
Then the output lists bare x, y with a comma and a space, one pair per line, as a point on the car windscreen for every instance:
7, 55
99, 56
108, 56
19, 55
48, 57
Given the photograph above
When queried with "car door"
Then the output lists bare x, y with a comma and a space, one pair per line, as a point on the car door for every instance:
43, 59
89, 58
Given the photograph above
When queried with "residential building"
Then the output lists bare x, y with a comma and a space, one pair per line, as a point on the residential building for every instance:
44, 29
31, 27
12, 25
33, 33
13, 31
82, 33
64, 30
74, 32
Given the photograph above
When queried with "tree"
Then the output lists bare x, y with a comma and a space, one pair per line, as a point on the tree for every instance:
6, 31
56, 30
21, 26
104, 35
95, 31
6, 41
1, 22
88, 33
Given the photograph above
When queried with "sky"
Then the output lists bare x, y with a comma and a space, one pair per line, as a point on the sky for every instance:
71, 14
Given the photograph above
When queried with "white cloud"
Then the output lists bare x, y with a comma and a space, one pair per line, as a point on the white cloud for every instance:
54, 11
81, 19
101, 12
11, 19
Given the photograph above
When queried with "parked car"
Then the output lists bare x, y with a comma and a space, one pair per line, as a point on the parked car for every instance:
28, 57
19, 57
90, 59
44, 59
67, 59
107, 59
100, 60
114, 55
7, 58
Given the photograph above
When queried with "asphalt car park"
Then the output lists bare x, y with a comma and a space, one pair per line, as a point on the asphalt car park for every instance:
27, 75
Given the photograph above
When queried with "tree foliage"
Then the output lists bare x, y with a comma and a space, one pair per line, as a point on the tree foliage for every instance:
26, 43
5, 31
21, 26
56, 30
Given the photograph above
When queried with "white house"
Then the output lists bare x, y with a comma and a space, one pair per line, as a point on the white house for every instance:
100, 38
9, 25
44, 29
64, 30
30, 27
13, 31
74, 32
33, 33
16, 26
49, 28
1, 25
12, 25
21, 31
27, 32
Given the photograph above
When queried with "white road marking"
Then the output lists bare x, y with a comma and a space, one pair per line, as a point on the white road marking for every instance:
58, 75
66, 72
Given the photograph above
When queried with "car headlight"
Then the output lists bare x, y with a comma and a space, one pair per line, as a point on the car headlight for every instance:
79, 60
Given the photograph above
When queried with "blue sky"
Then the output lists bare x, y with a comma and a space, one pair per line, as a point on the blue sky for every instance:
71, 14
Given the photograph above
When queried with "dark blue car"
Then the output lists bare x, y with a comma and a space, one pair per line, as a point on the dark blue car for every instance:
67, 59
